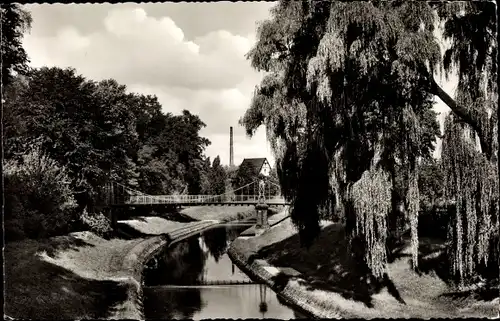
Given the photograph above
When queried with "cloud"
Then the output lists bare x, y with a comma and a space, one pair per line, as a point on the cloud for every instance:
135, 48
238, 18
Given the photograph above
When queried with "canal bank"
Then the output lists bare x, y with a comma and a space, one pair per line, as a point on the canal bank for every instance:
283, 281
330, 283
289, 292
136, 259
82, 275
195, 279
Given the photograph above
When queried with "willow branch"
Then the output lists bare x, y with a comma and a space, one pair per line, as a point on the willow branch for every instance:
474, 118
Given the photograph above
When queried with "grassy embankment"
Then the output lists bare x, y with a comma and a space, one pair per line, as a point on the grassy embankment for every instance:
222, 213
80, 275
65, 277
333, 276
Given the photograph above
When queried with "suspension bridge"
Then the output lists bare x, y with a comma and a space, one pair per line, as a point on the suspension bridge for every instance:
258, 191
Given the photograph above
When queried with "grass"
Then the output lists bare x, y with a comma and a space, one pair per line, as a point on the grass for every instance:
65, 277
332, 275
144, 226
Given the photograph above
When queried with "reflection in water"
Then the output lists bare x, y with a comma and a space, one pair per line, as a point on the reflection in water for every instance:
164, 303
184, 262
217, 242
172, 283
232, 301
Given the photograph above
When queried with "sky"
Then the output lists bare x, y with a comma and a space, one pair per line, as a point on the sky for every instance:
190, 55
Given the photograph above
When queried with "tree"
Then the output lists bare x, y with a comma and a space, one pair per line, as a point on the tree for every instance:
99, 133
14, 22
82, 125
244, 176
231, 172
347, 104
431, 183
218, 177
471, 175
176, 145
206, 186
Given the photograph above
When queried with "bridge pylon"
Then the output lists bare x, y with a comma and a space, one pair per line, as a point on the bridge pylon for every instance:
261, 208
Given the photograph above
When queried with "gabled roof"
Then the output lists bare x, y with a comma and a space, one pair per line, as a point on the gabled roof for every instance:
256, 163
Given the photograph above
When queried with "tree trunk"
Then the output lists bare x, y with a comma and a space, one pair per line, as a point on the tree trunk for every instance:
476, 119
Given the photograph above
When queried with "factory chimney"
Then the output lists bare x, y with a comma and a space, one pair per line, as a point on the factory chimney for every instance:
231, 153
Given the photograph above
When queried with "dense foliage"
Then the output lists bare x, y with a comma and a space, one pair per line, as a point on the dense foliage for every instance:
15, 21
347, 104
245, 175
38, 197
98, 132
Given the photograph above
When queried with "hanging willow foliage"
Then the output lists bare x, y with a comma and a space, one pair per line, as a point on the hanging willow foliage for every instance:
371, 197
472, 182
409, 154
413, 209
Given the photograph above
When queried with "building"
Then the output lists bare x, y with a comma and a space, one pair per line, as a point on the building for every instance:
260, 165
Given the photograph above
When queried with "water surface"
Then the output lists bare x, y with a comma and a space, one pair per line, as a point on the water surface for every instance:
175, 283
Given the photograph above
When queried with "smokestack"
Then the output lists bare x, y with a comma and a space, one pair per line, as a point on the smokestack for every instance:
231, 153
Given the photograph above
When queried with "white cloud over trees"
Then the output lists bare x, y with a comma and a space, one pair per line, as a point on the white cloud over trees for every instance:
207, 74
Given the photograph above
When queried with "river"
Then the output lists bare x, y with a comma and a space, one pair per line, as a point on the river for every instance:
179, 282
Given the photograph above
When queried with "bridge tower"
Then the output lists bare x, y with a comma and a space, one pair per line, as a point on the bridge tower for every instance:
261, 208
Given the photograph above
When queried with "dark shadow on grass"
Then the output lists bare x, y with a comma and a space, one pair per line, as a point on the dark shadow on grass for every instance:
61, 243
125, 231
432, 258
178, 216
140, 213
280, 281
327, 265
395, 248
480, 294
37, 289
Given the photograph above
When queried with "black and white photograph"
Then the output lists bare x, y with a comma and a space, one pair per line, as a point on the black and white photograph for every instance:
295, 159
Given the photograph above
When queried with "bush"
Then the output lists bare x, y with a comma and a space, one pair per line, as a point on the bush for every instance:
97, 222
39, 201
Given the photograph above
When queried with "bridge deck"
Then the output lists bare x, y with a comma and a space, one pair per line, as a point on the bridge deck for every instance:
204, 204
201, 200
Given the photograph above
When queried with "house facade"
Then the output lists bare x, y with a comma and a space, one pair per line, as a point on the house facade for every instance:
260, 165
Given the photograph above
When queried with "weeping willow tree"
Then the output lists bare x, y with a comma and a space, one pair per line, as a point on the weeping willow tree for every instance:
347, 103
470, 148
472, 182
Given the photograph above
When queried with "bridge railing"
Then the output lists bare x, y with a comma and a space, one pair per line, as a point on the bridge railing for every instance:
196, 199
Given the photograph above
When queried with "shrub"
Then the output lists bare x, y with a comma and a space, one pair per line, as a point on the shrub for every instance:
39, 201
97, 222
